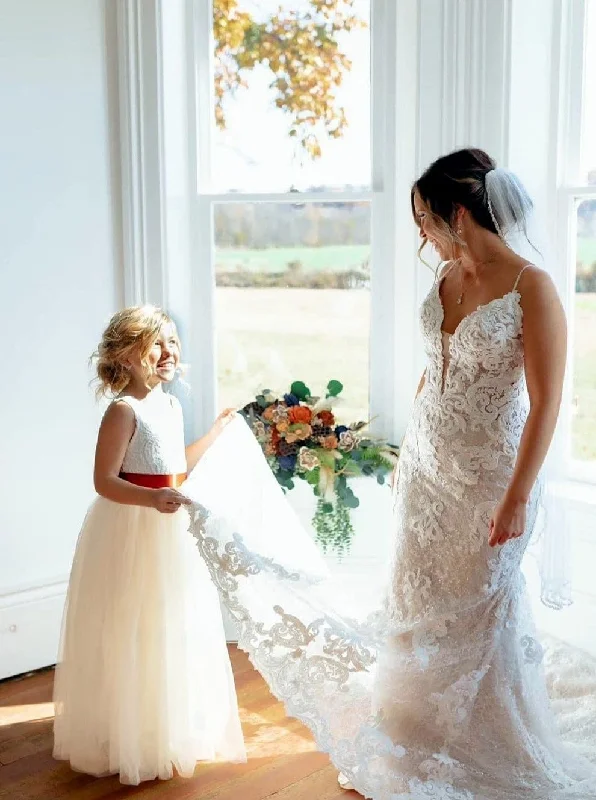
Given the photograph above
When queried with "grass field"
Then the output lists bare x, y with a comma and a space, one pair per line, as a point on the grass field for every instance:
336, 258
269, 337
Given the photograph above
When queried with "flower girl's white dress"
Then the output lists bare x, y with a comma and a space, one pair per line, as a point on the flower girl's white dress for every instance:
144, 684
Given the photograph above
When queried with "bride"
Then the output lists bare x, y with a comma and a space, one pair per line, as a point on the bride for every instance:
440, 693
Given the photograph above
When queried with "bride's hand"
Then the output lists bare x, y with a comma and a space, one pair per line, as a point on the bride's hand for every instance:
507, 522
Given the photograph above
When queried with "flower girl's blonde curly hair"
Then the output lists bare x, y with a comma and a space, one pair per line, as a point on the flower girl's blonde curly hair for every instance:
130, 331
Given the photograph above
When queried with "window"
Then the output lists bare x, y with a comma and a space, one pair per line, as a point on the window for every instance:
293, 300
579, 237
291, 95
286, 202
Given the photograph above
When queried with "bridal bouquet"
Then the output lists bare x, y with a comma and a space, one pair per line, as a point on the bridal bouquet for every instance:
300, 438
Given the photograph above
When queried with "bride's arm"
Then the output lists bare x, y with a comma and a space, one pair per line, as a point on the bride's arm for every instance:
421, 384
418, 390
545, 349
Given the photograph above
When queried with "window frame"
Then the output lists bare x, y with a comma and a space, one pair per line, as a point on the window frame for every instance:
391, 310
571, 78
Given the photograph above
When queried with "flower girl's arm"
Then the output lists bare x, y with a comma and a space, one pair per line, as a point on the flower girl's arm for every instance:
196, 450
115, 432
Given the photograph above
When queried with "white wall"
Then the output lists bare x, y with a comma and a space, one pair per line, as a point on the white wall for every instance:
60, 281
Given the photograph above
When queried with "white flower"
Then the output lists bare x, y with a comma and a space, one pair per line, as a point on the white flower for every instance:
323, 404
280, 414
348, 441
307, 460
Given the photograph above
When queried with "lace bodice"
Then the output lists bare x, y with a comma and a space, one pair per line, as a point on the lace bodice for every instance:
157, 445
474, 403
458, 456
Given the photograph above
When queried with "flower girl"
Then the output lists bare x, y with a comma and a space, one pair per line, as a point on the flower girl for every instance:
144, 684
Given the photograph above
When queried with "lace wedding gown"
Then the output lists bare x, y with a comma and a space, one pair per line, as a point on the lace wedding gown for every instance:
441, 693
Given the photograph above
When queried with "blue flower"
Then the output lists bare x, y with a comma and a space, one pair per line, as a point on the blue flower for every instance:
339, 430
291, 400
287, 462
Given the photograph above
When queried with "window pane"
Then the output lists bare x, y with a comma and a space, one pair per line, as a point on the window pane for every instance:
588, 143
290, 79
584, 374
292, 300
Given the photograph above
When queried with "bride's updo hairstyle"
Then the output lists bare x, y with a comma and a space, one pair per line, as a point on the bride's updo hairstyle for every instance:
494, 197
457, 179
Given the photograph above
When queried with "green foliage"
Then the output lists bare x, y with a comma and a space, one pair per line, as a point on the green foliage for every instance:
300, 390
333, 526
334, 388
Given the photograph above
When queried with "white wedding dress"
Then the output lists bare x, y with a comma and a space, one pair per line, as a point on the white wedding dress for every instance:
441, 693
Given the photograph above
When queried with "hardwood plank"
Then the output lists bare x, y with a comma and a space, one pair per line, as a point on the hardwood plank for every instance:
322, 784
32, 740
36, 688
268, 779
23, 723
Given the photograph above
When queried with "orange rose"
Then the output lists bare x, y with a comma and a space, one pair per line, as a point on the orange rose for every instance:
326, 417
299, 414
329, 442
269, 413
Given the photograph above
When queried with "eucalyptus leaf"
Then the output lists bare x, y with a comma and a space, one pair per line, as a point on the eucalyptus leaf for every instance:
351, 501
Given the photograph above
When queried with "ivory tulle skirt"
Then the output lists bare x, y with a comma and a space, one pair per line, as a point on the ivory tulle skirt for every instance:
144, 684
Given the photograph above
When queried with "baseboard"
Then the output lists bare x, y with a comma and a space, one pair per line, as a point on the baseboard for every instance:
30, 620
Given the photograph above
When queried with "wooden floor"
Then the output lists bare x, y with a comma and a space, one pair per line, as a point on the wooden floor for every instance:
282, 760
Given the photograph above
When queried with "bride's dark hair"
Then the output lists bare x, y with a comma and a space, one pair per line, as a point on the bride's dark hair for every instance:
457, 179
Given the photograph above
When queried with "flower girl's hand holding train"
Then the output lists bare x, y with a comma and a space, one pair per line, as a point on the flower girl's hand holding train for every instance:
168, 501
196, 450
222, 420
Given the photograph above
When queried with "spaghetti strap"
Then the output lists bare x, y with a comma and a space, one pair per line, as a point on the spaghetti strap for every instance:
520, 273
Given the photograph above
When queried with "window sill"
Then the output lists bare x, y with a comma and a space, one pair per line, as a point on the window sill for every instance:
579, 493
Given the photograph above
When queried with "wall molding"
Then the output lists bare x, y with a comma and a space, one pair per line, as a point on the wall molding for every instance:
140, 88
474, 49
30, 622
